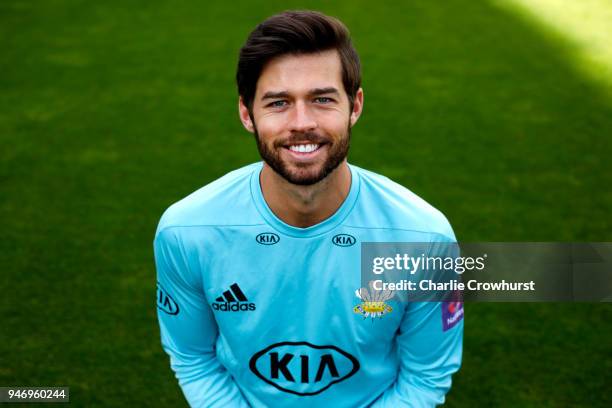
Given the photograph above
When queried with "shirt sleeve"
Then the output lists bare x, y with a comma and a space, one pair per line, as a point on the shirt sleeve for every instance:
430, 342
188, 329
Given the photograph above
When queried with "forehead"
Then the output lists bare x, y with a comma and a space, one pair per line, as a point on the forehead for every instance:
301, 72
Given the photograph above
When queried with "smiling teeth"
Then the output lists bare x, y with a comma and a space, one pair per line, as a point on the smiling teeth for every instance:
304, 148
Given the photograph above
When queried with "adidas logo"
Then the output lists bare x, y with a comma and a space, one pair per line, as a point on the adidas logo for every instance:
233, 300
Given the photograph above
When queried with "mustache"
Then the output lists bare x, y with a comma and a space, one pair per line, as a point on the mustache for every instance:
308, 137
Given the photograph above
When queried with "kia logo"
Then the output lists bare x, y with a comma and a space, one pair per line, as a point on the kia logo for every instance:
267, 238
302, 368
344, 240
165, 302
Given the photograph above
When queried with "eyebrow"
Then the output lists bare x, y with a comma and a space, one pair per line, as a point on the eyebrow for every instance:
323, 91
312, 92
274, 95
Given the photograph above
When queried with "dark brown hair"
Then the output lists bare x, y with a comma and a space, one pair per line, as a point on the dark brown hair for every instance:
296, 32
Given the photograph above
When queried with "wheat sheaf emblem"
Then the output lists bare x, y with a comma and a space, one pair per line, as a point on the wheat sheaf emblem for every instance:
373, 301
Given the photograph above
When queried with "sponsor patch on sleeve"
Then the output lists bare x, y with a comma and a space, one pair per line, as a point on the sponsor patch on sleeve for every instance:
452, 313
165, 302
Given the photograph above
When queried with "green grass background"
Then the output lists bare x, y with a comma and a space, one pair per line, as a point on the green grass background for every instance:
111, 111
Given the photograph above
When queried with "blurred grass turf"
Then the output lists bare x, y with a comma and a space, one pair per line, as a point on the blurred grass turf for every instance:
585, 25
110, 112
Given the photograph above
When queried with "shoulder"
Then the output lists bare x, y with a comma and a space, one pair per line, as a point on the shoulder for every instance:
391, 205
225, 201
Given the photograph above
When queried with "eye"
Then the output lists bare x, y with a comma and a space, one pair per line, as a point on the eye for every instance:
323, 99
277, 104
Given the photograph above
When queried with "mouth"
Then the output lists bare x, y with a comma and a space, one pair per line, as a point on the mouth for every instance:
304, 152
304, 148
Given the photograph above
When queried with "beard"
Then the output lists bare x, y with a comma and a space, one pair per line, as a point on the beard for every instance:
305, 174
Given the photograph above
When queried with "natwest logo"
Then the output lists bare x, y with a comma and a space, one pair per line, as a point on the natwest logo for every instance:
302, 368
267, 238
452, 313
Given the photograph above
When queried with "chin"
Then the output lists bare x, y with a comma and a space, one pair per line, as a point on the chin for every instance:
307, 175
304, 177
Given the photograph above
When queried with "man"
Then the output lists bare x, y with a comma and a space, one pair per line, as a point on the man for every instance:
258, 271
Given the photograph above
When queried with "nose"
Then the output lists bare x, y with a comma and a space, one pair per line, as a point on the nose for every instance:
302, 118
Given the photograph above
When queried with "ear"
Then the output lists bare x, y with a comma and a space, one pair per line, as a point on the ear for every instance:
245, 118
357, 107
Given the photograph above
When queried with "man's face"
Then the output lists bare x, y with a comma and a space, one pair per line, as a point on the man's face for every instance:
301, 116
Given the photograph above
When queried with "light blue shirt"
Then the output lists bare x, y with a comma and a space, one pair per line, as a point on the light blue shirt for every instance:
255, 312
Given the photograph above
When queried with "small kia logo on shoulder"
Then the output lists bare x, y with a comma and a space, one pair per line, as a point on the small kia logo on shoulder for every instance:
267, 238
344, 240
165, 302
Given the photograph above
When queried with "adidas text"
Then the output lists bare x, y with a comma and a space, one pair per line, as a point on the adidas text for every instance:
233, 307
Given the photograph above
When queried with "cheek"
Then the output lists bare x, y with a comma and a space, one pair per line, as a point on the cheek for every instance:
269, 127
334, 122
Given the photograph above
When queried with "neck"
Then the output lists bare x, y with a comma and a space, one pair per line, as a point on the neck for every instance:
304, 206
